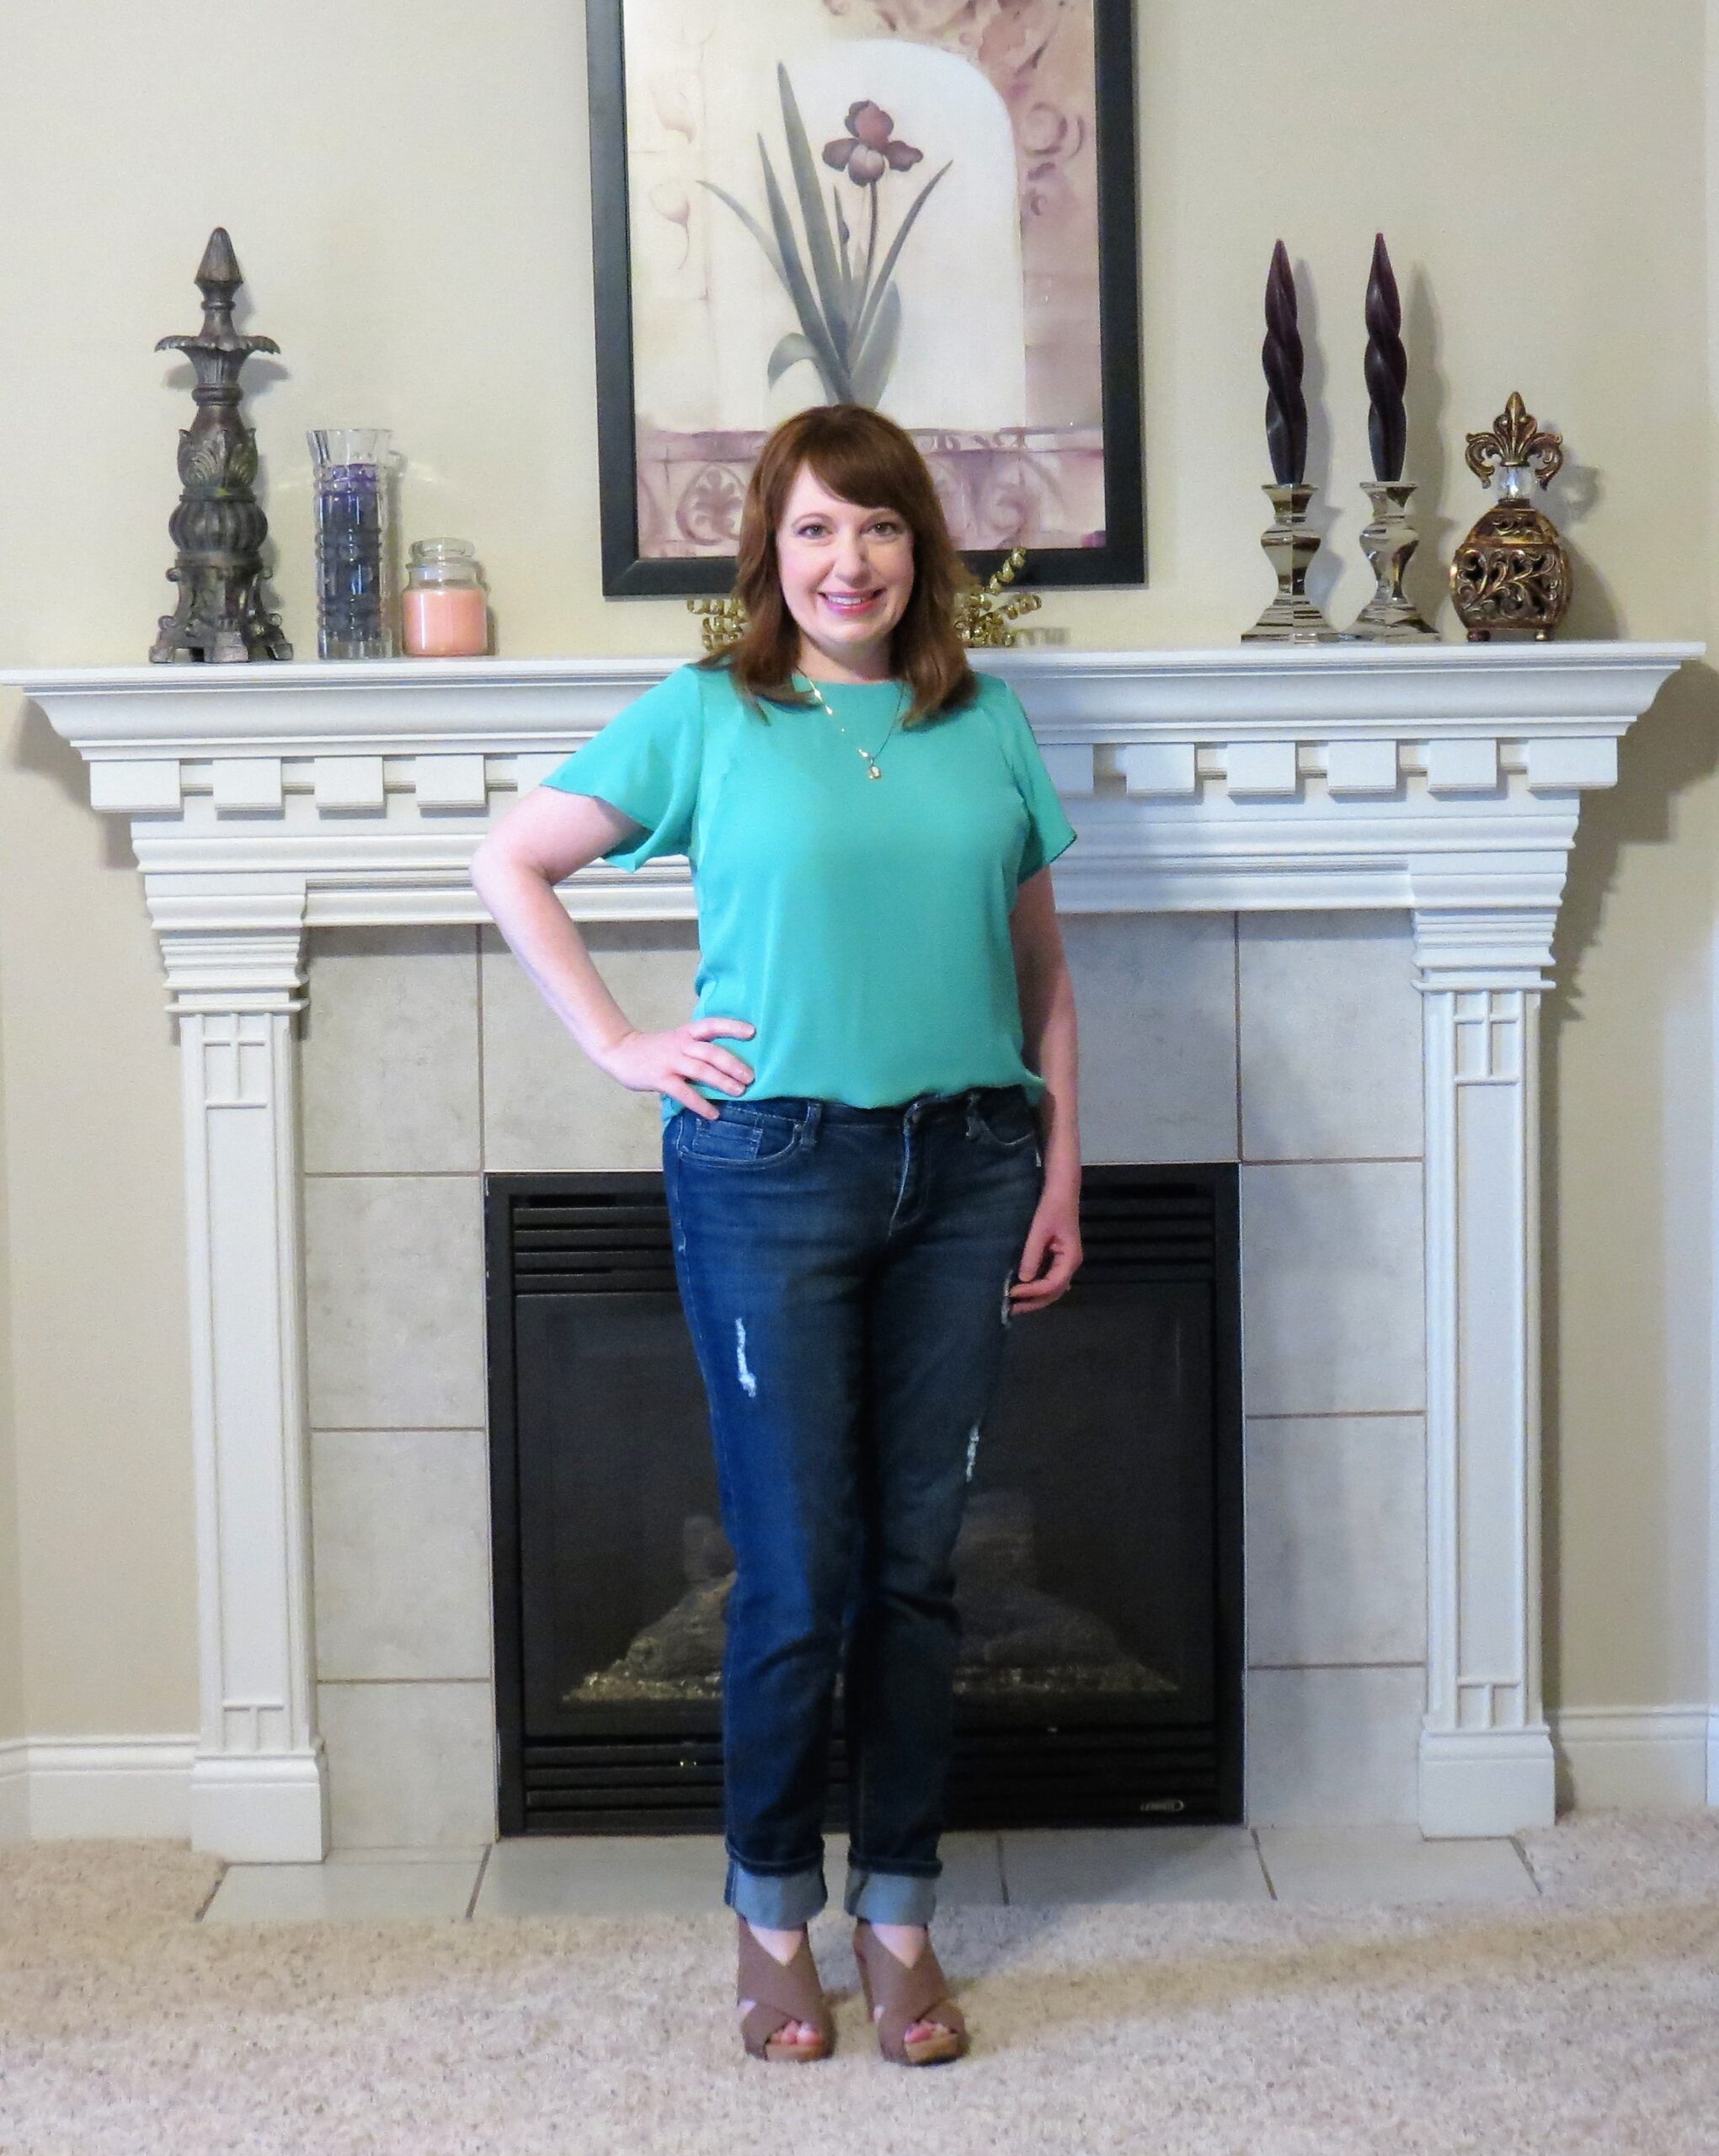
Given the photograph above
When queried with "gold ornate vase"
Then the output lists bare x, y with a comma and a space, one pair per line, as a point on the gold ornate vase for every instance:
1511, 576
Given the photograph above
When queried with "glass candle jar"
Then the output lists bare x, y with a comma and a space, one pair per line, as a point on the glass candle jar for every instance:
445, 609
351, 493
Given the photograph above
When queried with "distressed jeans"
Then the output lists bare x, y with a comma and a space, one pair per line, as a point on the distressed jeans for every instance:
845, 1273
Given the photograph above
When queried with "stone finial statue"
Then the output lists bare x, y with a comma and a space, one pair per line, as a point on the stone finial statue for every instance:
218, 526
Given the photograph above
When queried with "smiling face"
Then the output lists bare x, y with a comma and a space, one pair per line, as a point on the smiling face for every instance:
846, 576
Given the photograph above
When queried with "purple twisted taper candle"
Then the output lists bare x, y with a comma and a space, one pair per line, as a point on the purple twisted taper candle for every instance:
1285, 408
1387, 367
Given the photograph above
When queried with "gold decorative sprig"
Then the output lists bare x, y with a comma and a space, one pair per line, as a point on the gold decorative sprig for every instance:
1515, 438
723, 621
982, 614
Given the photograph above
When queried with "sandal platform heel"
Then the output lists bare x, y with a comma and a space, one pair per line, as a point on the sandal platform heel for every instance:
906, 1994
782, 1994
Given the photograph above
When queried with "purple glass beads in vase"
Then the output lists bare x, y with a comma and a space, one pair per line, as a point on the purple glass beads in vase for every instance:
354, 617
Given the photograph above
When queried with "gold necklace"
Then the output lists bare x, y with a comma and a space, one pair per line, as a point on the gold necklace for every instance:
870, 761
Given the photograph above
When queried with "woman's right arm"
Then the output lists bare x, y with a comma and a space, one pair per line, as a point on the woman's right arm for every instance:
543, 839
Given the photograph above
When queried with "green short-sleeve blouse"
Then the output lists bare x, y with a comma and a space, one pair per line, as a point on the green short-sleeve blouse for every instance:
861, 925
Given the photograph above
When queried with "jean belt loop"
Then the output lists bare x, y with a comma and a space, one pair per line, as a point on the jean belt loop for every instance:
814, 1117
972, 1113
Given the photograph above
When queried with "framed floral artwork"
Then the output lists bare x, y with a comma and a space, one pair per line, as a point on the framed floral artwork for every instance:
924, 205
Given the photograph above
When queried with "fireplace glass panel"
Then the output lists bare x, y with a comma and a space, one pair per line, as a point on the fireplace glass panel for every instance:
1097, 1573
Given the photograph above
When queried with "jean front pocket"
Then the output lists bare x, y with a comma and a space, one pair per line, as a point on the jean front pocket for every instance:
1007, 1120
738, 1136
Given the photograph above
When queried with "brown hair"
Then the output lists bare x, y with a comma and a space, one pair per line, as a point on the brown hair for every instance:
868, 460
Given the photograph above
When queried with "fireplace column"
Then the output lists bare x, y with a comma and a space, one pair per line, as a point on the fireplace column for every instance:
1485, 1752
258, 1786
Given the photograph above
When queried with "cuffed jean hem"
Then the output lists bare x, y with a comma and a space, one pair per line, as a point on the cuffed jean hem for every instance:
889, 1896
778, 1904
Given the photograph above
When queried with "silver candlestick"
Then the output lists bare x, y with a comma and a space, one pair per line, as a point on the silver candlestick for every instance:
1289, 547
1389, 542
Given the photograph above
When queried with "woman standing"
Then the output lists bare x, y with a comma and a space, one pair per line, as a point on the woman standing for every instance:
860, 1202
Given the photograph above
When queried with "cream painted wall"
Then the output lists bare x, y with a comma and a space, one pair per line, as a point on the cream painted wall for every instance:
406, 189
12, 1715
1712, 191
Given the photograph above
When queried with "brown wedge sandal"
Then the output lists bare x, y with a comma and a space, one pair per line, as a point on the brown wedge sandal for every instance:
905, 1994
780, 1993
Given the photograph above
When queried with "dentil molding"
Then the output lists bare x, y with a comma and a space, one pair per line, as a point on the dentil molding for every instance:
265, 799
1349, 776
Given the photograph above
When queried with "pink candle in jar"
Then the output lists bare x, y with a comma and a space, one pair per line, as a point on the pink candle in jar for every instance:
444, 610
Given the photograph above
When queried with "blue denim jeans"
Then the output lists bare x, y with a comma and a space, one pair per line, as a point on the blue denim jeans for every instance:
845, 1274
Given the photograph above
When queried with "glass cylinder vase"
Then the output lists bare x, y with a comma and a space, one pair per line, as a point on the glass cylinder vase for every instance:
354, 618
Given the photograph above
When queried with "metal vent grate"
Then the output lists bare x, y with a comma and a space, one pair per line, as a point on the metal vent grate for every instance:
1133, 1227
606, 1244
1065, 1776
1136, 1227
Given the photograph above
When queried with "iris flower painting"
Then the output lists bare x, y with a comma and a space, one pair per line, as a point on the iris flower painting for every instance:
891, 202
849, 310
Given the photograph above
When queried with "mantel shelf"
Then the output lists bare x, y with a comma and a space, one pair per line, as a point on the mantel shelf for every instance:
501, 706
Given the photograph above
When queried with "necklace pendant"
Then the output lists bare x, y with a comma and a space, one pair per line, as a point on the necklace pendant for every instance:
875, 772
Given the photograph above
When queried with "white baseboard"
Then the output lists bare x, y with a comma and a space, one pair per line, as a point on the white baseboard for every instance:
139, 1787
58, 1789
1636, 1758
262, 1808
14, 1791
1485, 1782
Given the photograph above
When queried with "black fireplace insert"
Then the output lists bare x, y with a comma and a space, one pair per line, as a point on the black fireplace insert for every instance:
1099, 1573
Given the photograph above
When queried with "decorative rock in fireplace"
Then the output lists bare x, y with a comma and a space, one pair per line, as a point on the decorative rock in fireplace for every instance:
1418, 803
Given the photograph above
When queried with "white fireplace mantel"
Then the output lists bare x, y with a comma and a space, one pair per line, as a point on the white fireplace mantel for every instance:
1444, 780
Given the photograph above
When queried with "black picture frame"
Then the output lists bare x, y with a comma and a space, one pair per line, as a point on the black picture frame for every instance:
1120, 561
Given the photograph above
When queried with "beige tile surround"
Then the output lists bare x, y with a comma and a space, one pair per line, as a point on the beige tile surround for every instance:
1287, 1042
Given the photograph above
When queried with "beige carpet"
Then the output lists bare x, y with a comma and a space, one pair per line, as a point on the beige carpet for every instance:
1588, 2020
